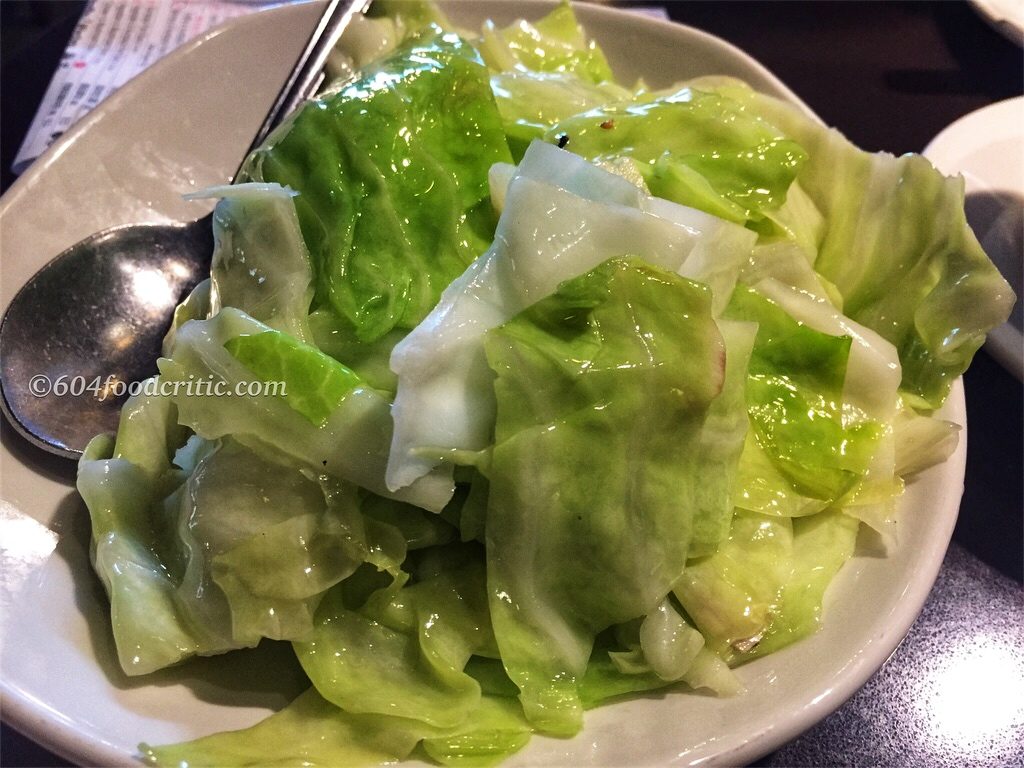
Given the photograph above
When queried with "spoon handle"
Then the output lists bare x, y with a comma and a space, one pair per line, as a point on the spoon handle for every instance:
307, 75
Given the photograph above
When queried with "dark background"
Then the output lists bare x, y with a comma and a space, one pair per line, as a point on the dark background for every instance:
889, 75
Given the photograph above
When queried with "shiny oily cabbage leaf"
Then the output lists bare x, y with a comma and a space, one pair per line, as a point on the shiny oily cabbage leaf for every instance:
222, 547
391, 174
897, 247
698, 148
601, 398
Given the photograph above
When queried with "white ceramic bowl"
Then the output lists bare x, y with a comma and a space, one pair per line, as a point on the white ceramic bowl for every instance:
183, 125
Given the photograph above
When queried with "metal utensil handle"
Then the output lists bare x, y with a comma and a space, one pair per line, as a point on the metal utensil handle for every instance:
307, 75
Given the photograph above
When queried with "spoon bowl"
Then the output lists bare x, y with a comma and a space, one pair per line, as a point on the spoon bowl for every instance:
106, 303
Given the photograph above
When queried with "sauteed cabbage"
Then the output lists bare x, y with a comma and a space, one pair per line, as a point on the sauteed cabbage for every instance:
589, 389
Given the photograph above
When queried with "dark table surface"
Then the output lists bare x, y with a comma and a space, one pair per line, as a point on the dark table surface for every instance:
890, 75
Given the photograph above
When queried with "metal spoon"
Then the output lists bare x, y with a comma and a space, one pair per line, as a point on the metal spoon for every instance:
90, 323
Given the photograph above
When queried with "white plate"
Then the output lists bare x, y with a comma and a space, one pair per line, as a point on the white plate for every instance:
183, 125
987, 148
1007, 16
